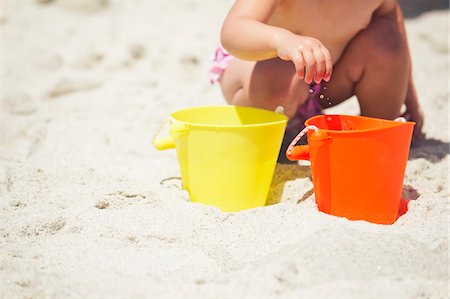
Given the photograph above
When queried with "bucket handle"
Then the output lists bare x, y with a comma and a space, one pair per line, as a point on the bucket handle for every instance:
301, 152
162, 143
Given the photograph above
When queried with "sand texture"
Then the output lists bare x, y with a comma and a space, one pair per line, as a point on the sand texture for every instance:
90, 209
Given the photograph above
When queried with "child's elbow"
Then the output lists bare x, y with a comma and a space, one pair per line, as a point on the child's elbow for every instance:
228, 34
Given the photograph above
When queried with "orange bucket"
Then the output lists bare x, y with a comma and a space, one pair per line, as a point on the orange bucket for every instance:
357, 164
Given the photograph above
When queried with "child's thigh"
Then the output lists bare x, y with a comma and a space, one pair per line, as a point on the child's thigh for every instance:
372, 67
265, 84
342, 83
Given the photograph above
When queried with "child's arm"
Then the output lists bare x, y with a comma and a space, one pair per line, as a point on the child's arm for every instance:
246, 35
391, 9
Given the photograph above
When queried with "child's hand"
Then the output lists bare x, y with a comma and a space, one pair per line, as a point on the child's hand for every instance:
308, 54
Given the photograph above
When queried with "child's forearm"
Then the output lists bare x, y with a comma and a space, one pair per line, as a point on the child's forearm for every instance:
250, 39
247, 35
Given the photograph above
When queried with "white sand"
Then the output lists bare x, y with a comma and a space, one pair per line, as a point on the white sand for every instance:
87, 209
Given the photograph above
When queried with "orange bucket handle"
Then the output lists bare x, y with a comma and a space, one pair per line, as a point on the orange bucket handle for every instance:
301, 152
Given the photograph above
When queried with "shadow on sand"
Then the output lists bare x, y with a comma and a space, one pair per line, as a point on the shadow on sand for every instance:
414, 8
433, 150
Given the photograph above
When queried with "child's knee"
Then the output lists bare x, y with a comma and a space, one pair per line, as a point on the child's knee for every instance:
274, 83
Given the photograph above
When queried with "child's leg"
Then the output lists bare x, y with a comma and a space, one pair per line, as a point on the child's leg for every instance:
374, 67
265, 84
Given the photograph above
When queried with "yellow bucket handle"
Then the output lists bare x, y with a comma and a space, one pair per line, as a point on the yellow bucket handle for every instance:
162, 143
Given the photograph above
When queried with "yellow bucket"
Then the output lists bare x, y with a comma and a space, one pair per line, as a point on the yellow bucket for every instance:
227, 154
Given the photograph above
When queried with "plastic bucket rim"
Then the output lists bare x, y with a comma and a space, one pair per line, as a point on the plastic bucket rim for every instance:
193, 124
339, 132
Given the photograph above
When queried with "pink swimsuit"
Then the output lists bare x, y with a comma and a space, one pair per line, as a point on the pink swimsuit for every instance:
220, 63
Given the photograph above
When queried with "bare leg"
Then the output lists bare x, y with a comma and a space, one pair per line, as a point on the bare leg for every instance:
265, 84
375, 68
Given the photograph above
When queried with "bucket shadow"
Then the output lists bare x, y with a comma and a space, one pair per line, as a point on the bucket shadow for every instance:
433, 150
283, 174
414, 8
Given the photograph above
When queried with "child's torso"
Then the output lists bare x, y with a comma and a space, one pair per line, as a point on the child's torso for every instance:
333, 22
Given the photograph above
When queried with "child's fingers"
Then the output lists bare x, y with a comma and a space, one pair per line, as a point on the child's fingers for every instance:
310, 65
297, 58
320, 64
328, 64
299, 66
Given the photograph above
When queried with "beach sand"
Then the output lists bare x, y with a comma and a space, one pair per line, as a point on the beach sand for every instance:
90, 209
